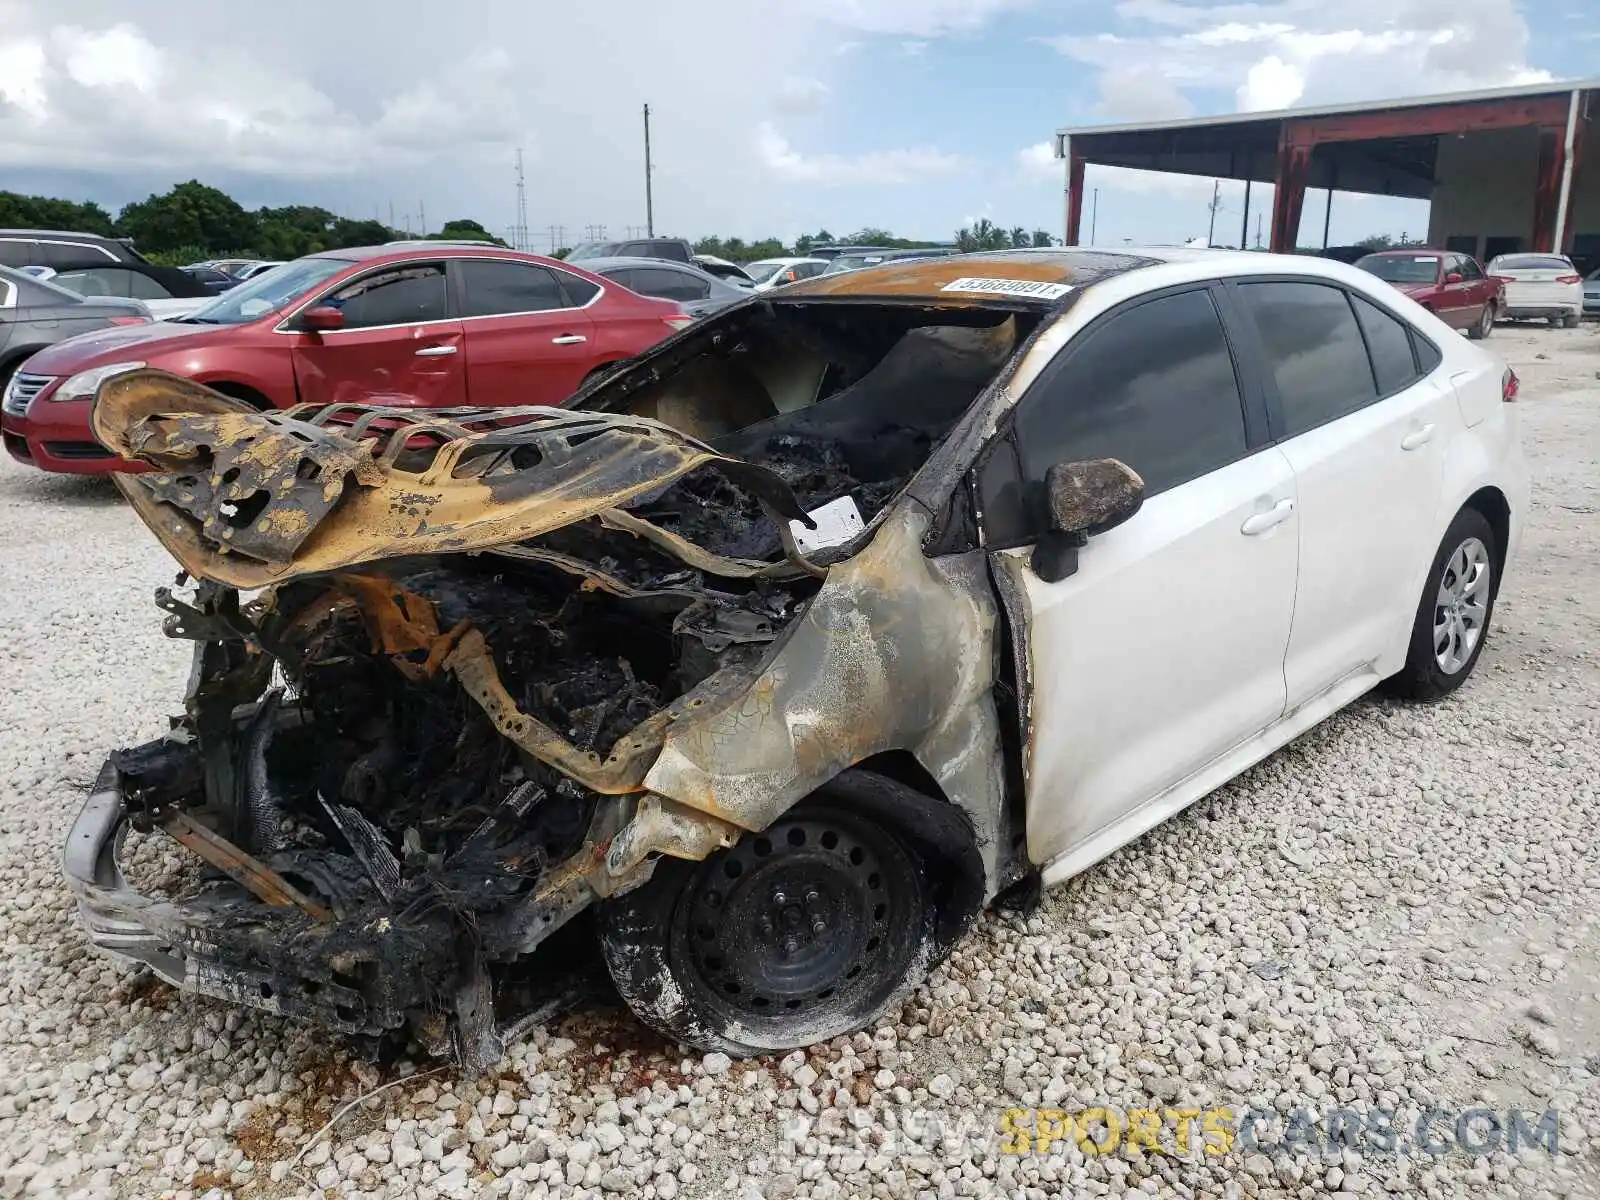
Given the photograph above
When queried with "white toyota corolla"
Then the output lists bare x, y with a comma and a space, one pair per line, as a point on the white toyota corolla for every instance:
791, 643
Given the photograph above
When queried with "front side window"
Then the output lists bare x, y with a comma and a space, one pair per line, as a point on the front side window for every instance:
1153, 386
1469, 268
496, 288
398, 296
669, 285
1314, 350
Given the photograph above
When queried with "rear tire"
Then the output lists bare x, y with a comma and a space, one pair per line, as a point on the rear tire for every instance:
1571, 320
1484, 325
800, 933
1453, 614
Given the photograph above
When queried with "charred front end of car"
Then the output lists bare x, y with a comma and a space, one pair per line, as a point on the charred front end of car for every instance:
461, 674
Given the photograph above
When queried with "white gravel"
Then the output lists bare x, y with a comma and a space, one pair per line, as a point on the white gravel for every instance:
1399, 911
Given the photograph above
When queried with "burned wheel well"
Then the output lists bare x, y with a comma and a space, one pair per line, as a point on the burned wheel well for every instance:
902, 767
1491, 502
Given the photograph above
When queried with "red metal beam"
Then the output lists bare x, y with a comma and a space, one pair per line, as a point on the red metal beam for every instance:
1289, 193
1074, 196
1547, 187
1429, 120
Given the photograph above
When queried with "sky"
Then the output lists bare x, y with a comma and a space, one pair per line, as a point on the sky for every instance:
770, 118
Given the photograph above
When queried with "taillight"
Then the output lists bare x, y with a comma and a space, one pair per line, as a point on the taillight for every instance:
1509, 386
679, 320
1502, 278
129, 320
1569, 278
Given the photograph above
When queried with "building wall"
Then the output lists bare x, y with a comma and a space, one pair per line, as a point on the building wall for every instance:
1485, 190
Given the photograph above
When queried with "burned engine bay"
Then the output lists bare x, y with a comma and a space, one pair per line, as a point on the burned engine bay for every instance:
438, 652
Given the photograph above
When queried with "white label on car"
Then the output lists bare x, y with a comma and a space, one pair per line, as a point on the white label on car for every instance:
837, 522
1008, 287
1425, 258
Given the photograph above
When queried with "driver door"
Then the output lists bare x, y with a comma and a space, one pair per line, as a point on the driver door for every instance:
399, 343
1165, 648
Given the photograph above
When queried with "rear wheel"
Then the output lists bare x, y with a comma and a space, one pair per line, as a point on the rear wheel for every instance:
1453, 614
797, 934
1571, 320
1484, 325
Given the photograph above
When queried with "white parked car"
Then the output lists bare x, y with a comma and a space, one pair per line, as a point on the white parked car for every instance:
1540, 285
772, 273
1072, 539
257, 268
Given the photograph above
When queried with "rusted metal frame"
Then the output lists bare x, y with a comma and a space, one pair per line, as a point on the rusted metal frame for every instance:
261, 880
1428, 120
1289, 189
1547, 189
1075, 167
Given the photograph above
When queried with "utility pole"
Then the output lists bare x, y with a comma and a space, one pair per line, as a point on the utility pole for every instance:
1216, 203
520, 241
1258, 231
391, 214
649, 203
1094, 215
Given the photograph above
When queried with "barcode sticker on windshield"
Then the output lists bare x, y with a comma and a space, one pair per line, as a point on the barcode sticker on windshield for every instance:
1009, 287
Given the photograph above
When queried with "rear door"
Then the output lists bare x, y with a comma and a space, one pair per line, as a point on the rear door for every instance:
1366, 432
1165, 649
528, 340
1481, 289
400, 343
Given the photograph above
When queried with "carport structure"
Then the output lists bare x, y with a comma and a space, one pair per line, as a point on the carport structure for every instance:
1507, 169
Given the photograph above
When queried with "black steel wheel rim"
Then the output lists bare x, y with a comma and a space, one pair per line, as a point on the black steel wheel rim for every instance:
817, 912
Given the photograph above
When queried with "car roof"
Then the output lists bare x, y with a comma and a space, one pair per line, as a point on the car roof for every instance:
931, 278
415, 250
59, 233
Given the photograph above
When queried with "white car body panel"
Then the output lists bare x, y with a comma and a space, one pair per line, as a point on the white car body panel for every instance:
1537, 291
1134, 715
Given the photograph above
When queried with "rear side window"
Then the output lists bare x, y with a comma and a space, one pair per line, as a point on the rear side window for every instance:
497, 288
57, 254
578, 291
94, 283
1389, 344
14, 252
1314, 350
401, 296
1153, 386
672, 250
670, 285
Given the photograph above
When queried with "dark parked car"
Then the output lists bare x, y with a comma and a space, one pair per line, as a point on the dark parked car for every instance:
55, 248
696, 291
166, 291
35, 314
1451, 286
673, 249
210, 278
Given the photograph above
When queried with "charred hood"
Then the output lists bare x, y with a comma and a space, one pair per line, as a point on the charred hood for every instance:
249, 498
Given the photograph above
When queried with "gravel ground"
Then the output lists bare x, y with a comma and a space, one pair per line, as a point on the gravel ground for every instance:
1397, 912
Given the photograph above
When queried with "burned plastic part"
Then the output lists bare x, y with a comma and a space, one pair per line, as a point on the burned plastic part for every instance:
252, 498
662, 826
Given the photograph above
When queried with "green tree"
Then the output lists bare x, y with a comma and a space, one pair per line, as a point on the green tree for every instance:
1042, 238
45, 212
191, 213
464, 230
1376, 241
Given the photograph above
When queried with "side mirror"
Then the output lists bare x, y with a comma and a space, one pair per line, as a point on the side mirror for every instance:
1453, 277
321, 319
1084, 498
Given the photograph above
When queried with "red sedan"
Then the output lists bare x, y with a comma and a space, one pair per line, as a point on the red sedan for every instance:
1450, 285
435, 326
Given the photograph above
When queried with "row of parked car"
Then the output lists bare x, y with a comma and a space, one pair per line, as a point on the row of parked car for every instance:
1471, 298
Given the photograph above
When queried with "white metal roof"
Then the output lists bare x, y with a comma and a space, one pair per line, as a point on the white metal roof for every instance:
1555, 87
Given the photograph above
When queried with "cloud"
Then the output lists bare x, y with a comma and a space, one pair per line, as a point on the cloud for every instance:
1140, 94
797, 95
1275, 53
879, 166
914, 18
913, 49
1271, 84
1039, 162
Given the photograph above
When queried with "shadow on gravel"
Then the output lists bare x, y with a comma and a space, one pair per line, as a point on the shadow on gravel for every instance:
66, 491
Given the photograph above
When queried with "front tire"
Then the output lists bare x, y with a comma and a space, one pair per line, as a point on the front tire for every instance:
1453, 614
794, 935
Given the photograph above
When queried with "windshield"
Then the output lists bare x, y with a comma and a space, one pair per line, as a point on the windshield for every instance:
1402, 268
267, 292
852, 262
760, 272
1532, 262
594, 250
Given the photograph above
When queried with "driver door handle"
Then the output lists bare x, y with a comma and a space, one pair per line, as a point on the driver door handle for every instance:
1417, 437
435, 351
568, 339
1263, 521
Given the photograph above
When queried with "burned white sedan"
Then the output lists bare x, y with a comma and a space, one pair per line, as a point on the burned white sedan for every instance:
782, 650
